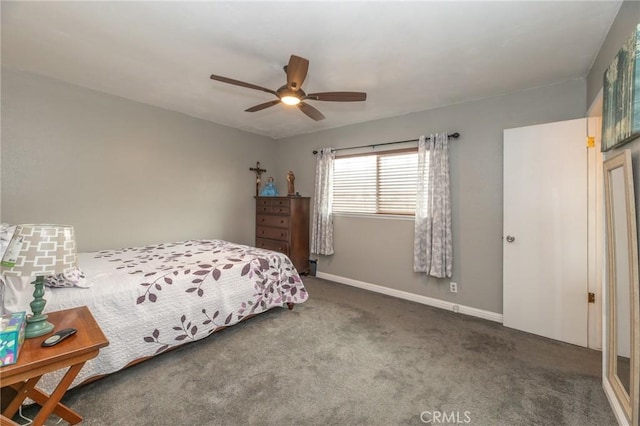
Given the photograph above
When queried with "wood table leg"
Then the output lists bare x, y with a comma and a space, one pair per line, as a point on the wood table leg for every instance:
7, 422
60, 409
23, 389
40, 398
54, 399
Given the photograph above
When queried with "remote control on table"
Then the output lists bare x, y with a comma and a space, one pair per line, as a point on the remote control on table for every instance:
58, 337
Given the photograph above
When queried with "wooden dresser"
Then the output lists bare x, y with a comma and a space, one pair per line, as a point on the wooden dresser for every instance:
282, 224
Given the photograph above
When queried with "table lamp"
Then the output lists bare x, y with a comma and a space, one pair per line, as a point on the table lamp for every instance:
38, 251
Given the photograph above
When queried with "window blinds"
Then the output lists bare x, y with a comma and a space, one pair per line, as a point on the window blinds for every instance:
380, 183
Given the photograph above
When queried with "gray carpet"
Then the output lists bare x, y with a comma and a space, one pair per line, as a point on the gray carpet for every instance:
351, 357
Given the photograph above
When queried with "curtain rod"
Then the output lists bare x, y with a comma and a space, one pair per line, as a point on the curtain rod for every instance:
455, 135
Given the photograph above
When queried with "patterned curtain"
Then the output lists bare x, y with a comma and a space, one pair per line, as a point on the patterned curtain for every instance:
322, 232
432, 246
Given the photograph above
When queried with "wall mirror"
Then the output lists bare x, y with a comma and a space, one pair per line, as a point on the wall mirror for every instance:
622, 319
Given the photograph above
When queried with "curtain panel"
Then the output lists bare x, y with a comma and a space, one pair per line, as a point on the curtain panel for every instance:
432, 247
322, 226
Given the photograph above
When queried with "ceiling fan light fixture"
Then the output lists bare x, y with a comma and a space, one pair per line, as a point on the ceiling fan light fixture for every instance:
290, 100
291, 94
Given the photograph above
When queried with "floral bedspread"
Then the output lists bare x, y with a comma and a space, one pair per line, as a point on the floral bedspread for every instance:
148, 299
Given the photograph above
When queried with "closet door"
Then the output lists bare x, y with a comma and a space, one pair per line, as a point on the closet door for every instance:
545, 288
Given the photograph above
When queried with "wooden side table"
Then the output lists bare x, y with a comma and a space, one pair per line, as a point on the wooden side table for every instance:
34, 361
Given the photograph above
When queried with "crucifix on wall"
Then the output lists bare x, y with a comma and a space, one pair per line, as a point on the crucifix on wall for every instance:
258, 171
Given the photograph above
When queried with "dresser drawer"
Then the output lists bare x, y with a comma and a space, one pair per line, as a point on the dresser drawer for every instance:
263, 202
281, 234
272, 205
280, 209
279, 246
261, 208
277, 221
280, 202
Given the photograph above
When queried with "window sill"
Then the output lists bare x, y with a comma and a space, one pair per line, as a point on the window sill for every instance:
377, 216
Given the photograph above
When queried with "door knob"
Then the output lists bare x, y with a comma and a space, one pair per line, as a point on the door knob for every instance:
510, 239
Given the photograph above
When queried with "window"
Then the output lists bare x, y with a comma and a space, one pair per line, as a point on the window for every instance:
380, 183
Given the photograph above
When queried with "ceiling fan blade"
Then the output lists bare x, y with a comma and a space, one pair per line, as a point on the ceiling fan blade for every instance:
263, 106
311, 111
296, 72
241, 83
338, 96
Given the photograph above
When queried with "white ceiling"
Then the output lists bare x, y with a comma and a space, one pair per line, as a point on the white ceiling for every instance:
408, 56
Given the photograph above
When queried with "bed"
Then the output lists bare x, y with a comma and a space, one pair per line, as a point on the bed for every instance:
151, 299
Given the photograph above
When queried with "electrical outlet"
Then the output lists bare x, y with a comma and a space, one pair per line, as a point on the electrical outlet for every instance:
453, 287
456, 309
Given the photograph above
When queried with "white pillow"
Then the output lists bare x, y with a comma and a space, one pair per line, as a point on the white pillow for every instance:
18, 293
73, 278
6, 233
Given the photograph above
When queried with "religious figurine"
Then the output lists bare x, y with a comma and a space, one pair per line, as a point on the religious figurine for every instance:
291, 188
258, 171
269, 189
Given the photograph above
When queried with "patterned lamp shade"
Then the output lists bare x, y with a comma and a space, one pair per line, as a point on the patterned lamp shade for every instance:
39, 250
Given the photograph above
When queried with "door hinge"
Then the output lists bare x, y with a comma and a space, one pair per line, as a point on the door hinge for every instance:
591, 142
592, 298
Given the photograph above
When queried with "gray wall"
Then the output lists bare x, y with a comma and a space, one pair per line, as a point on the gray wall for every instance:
380, 251
121, 172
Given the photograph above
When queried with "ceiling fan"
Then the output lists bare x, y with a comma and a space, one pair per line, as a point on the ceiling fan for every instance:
292, 93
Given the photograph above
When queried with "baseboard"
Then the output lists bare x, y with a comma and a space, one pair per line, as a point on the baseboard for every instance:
437, 303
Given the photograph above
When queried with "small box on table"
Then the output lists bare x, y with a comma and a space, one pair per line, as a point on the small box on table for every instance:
11, 337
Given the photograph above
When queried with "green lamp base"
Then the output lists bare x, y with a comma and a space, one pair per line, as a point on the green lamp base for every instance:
37, 324
37, 327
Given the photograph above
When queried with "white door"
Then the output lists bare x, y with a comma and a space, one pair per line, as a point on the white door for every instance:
545, 230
